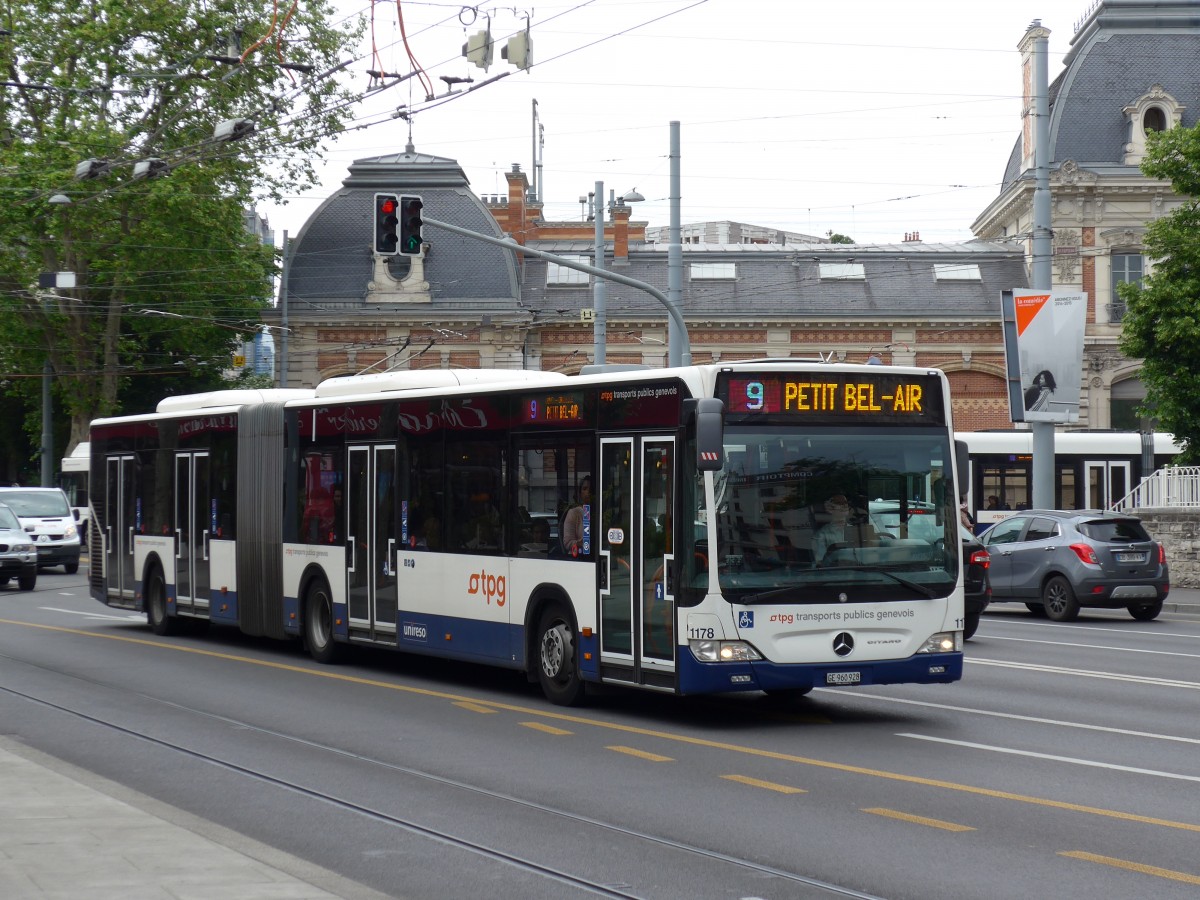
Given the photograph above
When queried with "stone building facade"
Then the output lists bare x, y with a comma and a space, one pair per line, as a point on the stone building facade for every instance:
467, 303
1131, 70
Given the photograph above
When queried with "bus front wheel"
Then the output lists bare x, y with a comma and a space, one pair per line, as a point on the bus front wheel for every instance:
558, 672
318, 623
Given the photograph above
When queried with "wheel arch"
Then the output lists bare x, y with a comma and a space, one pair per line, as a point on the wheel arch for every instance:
544, 595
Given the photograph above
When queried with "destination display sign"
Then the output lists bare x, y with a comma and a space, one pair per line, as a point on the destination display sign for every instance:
557, 408
886, 397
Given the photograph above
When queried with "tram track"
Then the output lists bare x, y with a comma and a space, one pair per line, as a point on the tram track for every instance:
813, 887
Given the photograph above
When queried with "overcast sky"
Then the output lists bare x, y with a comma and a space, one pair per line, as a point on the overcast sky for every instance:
870, 118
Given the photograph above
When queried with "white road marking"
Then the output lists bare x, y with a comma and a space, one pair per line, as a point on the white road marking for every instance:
1036, 720
1086, 673
993, 637
87, 615
1067, 759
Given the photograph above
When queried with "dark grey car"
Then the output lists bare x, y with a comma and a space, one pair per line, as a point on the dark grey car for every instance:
1057, 561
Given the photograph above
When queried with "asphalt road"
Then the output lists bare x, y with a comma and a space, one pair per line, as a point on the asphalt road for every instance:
1064, 764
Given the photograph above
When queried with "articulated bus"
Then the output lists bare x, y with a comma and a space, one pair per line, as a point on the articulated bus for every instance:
660, 529
1092, 469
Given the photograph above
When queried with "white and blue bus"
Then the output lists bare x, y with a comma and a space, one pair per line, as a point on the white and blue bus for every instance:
666, 529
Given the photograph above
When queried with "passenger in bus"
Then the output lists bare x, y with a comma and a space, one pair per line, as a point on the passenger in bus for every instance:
483, 524
840, 532
537, 545
572, 527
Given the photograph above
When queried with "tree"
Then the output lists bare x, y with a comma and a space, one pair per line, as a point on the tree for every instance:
1162, 320
836, 238
169, 279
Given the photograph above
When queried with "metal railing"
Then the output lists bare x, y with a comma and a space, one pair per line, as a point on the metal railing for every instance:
1171, 487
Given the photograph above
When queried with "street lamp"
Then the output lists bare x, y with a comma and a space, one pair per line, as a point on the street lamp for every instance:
62, 201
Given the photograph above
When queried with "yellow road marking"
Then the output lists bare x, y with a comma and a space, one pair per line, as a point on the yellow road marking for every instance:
549, 729
642, 732
474, 707
768, 785
640, 754
917, 820
1140, 868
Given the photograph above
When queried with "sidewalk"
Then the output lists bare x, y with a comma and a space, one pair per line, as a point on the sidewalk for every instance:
66, 833
1182, 600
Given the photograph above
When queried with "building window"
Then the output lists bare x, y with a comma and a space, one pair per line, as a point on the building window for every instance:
560, 276
831, 271
1154, 119
957, 272
1126, 268
713, 271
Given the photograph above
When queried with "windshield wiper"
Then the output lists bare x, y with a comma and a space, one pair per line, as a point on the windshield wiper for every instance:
766, 595
911, 585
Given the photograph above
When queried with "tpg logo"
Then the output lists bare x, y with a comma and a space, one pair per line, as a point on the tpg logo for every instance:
491, 586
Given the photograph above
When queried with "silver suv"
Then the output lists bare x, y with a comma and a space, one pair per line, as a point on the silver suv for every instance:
18, 558
1060, 560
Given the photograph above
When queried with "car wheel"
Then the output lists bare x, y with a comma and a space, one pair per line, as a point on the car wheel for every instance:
558, 672
3, 580
71, 568
970, 626
1058, 598
1145, 613
26, 582
1037, 609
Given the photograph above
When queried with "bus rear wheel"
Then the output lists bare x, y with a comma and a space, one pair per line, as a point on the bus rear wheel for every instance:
318, 623
558, 671
160, 621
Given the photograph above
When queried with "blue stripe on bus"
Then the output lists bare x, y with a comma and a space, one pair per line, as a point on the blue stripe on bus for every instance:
696, 677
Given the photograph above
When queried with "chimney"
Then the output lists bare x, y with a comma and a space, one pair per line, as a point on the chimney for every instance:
518, 187
620, 229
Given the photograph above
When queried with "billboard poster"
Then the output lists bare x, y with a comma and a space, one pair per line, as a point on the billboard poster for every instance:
1046, 356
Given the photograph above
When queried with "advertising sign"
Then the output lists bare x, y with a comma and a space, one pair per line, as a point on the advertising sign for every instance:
1044, 355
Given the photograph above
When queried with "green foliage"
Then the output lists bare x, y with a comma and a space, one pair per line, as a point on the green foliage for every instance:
1162, 321
835, 238
169, 280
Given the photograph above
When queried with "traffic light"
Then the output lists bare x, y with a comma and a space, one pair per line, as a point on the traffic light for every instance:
410, 226
387, 221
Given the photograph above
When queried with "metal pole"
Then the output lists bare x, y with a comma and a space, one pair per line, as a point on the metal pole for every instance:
283, 313
650, 289
1043, 432
678, 347
599, 287
47, 425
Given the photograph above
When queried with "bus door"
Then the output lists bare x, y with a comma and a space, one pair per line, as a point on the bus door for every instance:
119, 523
371, 538
1107, 482
193, 530
634, 525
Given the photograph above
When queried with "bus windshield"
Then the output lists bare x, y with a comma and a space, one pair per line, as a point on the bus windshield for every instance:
835, 515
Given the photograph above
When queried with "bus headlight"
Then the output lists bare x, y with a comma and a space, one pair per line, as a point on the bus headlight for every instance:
723, 651
943, 642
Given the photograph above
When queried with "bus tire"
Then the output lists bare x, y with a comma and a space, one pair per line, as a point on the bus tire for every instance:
1058, 598
157, 617
557, 658
318, 623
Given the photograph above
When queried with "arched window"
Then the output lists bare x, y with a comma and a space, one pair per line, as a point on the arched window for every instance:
1154, 119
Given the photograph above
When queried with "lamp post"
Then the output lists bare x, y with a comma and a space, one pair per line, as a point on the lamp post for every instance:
599, 292
47, 448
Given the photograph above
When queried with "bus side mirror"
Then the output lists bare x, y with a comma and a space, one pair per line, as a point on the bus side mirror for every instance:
962, 467
710, 434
